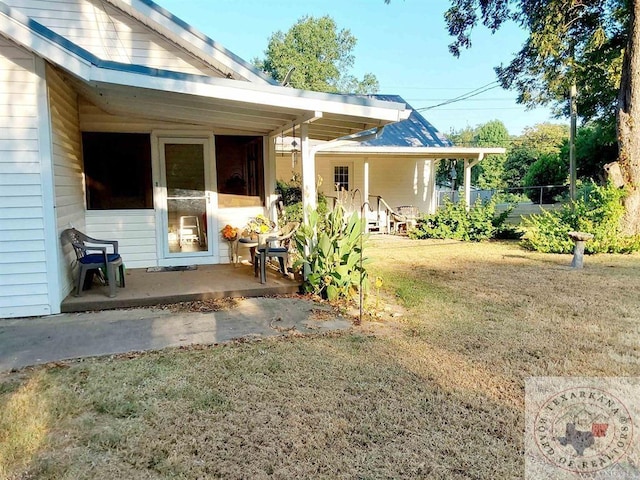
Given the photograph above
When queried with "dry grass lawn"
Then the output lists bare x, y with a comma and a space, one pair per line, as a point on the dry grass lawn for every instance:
440, 395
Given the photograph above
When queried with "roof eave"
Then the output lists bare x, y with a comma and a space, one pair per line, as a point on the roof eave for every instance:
243, 92
421, 152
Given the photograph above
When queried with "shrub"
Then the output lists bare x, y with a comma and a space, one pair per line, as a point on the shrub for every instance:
547, 170
291, 195
330, 256
598, 211
455, 222
290, 192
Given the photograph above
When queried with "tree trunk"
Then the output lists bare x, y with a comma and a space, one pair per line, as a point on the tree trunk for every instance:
629, 122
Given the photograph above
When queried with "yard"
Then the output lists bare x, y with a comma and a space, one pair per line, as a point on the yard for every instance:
435, 393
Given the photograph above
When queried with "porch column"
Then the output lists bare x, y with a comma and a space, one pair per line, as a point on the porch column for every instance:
365, 192
431, 166
467, 183
270, 178
365, 180
308, 167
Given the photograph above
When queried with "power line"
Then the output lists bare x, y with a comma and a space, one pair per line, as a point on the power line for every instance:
403, 87
492, 99
459, 98
486, 109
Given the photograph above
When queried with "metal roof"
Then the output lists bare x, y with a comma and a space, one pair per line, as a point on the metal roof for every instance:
415, 131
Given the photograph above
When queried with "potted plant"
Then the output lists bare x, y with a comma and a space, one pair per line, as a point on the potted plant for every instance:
258, 225
230, 234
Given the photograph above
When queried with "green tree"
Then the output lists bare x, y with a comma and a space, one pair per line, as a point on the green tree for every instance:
460, 138
569, 40
595, 43
536, 141
549, 169
321, 54
488, 174
596, 145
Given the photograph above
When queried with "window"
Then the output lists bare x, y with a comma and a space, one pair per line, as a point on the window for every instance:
117, 169
240, 171
341, 177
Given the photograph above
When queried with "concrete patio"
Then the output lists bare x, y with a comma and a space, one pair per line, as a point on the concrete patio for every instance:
33, 341
206, 282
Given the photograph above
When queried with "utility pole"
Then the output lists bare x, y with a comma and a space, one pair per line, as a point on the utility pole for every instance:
573, 93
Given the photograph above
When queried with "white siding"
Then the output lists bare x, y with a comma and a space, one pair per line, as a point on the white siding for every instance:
135, 231
110, 34
23, 266
236, 217
325, 169
402, 181
67, 169
285, 167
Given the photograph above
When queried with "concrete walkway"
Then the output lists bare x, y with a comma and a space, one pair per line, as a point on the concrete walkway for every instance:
25, 342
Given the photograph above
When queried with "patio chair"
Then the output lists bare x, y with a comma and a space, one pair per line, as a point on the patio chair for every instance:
275, 247
410, 215
91, 255
398, 222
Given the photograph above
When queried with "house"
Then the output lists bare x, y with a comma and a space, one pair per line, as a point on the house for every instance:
120, 119
396, 168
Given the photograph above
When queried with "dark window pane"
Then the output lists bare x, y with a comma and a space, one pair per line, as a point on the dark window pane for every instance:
240, 170
341, 177
117, 169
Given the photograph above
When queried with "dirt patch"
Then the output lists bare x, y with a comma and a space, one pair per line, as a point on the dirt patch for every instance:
202, 306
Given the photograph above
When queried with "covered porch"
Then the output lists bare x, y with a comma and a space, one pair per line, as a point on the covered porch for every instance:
206, 282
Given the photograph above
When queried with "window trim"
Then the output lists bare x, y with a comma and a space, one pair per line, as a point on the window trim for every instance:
349, 168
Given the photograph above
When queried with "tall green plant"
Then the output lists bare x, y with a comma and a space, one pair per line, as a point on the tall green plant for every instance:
330, 257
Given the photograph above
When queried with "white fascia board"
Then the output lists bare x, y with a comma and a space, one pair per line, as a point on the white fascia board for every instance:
187, 37
245, 92
43, 47
432, 152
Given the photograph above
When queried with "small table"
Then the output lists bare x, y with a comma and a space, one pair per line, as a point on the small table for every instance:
250, 243
253, 243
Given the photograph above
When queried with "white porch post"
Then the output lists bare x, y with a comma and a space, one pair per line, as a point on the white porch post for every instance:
308, 164
271, 197
432, 196
467, 177
365, 192
365, 185
467, 183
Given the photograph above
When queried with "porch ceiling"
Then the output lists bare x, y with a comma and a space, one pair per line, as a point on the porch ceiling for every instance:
245, 118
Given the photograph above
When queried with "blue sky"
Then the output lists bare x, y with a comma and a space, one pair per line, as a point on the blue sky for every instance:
404, 44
